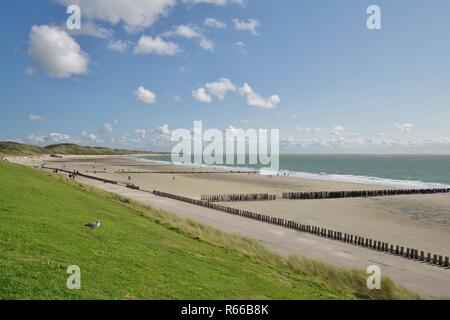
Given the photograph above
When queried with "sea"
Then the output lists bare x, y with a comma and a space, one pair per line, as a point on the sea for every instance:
407, 171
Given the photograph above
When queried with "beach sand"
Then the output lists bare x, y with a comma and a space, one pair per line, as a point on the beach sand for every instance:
418, 221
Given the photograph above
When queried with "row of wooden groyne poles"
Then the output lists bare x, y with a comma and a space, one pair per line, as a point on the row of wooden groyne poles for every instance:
373, 244
320, 195
407, 252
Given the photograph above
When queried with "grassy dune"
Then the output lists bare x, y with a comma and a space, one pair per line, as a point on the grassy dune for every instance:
140, 253
19, 149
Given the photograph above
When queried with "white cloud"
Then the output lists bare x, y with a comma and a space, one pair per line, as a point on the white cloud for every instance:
338, 130
184, 31
107, 127
57, 52
145, 95
359, 144
191, 32
150, 45
255, 100
91, 29
56, 137
90, 137
37, 138
240, 47
201, 95
405, 128
164, 130
214, 23
119, 46
141, 133
136, 15
207, 44
217, 89
36, 117
220, 88
250, 25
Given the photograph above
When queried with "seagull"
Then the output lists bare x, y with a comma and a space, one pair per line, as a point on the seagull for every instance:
93, 225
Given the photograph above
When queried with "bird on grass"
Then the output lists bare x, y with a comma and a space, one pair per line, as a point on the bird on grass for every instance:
93, 225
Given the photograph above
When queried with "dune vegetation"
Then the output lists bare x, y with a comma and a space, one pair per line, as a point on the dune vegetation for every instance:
18, 149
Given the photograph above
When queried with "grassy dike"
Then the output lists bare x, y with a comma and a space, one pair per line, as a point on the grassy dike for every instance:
140, 253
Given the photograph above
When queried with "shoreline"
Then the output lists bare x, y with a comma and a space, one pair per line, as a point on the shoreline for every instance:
330, 177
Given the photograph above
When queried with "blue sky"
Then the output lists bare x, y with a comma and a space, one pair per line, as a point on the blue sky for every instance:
309, 68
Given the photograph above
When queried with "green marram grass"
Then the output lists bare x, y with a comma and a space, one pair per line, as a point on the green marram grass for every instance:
141, 253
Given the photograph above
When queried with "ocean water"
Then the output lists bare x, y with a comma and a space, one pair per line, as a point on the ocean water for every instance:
412, 171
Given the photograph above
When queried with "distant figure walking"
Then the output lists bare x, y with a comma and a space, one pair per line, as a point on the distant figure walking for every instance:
93, 225
129, 178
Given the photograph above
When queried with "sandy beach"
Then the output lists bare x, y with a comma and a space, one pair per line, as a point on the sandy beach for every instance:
420, 221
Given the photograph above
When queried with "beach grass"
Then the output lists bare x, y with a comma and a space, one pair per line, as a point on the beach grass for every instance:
142, 253
8, 148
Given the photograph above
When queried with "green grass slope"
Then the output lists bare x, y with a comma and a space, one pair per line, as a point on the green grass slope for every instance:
18, 149
139, 253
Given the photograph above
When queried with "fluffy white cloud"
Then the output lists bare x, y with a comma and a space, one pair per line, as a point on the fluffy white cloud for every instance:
150, 45
251, 25
119, 46
145, 95
191, 32
220, 88
214, 23
57, 52
184, 31
201, 95
405, 128
164, 130
36, 117
217, 89
136, 15
255, 100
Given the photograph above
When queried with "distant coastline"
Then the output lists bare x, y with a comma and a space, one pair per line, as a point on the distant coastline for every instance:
398, 171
